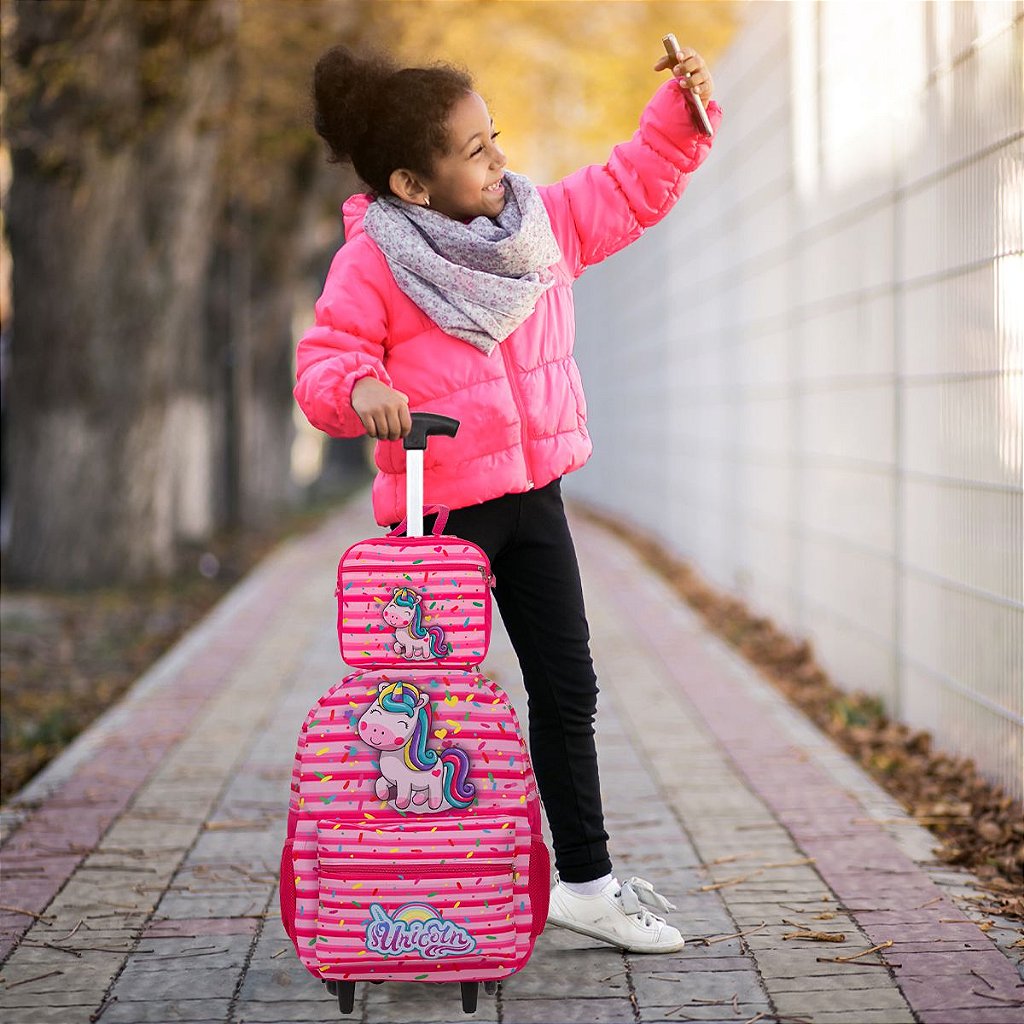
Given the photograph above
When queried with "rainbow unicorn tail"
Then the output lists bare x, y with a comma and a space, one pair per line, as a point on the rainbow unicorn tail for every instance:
438, 647
458, 791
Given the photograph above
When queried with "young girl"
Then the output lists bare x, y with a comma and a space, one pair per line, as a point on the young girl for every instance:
453, 294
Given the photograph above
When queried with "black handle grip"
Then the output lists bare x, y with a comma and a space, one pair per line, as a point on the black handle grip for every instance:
424, 424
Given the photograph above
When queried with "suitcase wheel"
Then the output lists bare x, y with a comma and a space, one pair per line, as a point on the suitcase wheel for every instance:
346, 995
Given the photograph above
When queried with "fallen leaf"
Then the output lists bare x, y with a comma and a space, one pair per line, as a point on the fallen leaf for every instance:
817, 936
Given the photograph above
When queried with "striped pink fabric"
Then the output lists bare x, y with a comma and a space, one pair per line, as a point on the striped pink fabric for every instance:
452, 885
414, 601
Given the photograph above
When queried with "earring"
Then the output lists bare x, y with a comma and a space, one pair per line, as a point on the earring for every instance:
426, 200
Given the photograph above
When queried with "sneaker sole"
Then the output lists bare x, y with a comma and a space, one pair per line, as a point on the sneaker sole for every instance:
580, 930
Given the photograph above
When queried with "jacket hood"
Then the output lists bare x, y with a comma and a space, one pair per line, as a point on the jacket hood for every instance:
353, 211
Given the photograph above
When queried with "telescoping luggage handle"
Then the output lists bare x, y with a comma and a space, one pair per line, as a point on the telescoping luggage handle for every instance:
424, 424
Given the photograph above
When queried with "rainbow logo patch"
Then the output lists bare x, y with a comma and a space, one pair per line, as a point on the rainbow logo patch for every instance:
417, 929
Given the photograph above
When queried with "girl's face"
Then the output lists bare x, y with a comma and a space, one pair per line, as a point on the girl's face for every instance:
460, 184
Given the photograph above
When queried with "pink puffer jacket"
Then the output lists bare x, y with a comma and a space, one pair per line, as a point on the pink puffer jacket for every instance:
522, 408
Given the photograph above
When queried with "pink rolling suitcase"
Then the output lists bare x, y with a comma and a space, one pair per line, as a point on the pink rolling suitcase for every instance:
414, 849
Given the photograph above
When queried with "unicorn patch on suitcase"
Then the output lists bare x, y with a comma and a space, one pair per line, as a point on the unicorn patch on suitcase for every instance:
416, 928
412, 639
415, 777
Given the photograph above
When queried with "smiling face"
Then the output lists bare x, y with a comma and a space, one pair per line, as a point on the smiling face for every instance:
463, 180
385, 730
396, 614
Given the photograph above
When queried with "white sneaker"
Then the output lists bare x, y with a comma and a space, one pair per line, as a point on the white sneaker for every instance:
618, 915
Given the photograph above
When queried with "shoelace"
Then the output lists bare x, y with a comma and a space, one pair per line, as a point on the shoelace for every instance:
635, 893
647, 919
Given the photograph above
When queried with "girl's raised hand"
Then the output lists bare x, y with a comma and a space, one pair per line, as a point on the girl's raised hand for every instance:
383, 411
691, 70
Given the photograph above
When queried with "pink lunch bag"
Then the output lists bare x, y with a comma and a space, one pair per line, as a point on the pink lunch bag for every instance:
411, 601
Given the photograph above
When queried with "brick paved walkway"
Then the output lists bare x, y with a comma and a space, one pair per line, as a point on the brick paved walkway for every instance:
139, 870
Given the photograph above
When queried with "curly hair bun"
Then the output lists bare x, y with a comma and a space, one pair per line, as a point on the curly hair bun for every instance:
344, 88
382, 117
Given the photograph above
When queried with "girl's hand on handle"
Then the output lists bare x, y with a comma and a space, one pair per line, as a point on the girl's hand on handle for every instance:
691, 70
384, 412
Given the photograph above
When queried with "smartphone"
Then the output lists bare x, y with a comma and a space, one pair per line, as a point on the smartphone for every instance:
672, 49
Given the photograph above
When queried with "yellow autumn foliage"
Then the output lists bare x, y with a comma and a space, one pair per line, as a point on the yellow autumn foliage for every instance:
564, 81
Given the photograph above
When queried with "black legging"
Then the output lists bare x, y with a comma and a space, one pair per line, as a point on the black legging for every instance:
540, 598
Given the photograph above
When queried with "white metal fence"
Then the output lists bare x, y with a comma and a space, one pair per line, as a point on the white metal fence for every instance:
809, 377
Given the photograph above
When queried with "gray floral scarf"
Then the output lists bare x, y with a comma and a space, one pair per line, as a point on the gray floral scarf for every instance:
477, 281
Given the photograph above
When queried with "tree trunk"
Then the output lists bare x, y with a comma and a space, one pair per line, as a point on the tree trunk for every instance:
113, 110
258, 259
278, 181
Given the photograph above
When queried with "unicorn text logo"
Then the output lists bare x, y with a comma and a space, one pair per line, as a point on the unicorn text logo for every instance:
418, 929
397, 724
413, 640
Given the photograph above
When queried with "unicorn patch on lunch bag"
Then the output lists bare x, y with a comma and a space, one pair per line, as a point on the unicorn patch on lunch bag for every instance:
413, 641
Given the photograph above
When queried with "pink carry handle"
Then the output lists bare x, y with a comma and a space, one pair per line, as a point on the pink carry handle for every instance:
439, 523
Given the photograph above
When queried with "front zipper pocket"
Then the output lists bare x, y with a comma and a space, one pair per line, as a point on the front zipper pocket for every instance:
416, 868
421, 895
